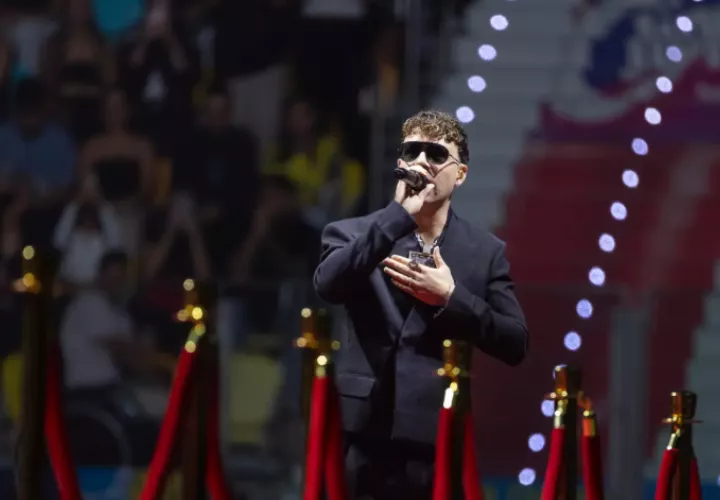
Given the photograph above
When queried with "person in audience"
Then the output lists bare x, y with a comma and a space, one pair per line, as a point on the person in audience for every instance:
221, 172
329, 184
98, 339
175, 250
123, 162
35, 151
27, 30
254, 60
279, 247
79, 66
160, 76
121, 159
6, 75
87, 230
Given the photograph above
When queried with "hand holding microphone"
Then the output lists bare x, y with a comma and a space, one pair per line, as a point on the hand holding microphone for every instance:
412, 189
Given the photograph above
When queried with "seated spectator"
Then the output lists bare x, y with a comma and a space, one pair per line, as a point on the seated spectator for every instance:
123, 163
34, 150
220, 172
328, 183
79, 65
160, 77
279, 247
98, 339
87, 230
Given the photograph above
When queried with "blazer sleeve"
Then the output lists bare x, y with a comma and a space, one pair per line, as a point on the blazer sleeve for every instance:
347, 258
495, 323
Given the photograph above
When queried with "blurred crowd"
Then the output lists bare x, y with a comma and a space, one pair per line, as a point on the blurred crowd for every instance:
148, 141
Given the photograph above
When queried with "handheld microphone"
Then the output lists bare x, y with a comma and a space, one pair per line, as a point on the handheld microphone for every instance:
416, 181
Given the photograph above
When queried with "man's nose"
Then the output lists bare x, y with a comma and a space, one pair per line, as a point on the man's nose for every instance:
422, 160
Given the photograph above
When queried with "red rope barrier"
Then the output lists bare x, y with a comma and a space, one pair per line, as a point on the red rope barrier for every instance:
215, 475
471, 478
664, 486
334, 453
553, 474
314, 460
160, 464
591, 460
55, 432
442, 481
695, 485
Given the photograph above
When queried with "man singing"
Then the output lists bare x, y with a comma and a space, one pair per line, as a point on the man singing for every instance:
409, 276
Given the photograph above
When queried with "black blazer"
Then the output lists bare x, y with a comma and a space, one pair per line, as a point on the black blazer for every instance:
378, 342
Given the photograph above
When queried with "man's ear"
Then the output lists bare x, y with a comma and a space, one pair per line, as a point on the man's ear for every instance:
461, 175
399, 162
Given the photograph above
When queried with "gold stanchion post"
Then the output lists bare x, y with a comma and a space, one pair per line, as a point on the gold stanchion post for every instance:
568, 383
682, 406
199, 302
315, 340
457, 357
31, 442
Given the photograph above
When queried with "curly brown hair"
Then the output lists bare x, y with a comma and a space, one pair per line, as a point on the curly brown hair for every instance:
438, 125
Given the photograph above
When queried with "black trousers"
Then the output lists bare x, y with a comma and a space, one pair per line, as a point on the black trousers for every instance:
388, 470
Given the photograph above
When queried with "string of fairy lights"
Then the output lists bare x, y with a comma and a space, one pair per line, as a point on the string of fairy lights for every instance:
606, 242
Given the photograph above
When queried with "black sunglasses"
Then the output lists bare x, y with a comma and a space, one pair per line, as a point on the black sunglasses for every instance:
437, 154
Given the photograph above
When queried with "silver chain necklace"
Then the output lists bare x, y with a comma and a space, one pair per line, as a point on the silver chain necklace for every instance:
426, 248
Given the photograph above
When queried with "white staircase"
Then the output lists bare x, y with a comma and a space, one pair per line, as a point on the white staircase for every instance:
530, 53
703, 378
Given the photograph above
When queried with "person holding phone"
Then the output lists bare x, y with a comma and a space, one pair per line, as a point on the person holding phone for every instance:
408, 276
161, 76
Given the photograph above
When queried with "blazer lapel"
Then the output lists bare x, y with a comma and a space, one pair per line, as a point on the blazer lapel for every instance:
392, 313
456, 249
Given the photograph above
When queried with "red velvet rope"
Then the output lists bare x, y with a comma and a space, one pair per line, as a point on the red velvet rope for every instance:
314, 459
442, 480
160, 464
471, 478
335, 456
592, 468
695, 485
553, 473
214, 475
664, 485
55, 432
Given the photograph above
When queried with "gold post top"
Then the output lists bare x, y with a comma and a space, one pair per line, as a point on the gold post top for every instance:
683, 405
30, 280
194, 312
457, 357
316, 332
567, 386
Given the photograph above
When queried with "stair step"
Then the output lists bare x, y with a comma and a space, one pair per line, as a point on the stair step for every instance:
703, 377
707, 342
712, 311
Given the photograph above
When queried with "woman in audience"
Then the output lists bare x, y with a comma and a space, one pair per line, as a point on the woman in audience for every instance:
123, 163
79, 65
329, 184
88, 228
